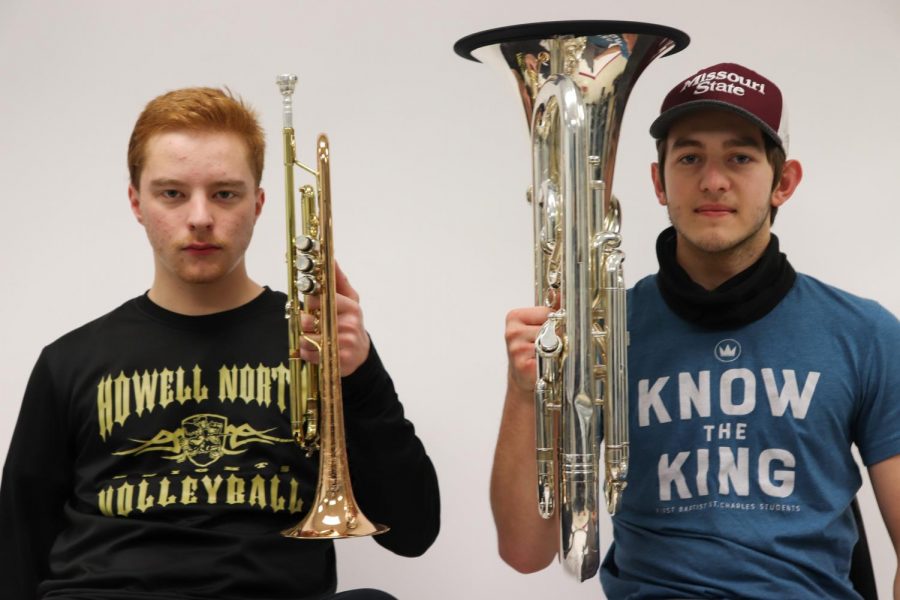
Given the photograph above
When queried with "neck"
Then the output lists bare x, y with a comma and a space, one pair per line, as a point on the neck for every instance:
195, 299
742, 299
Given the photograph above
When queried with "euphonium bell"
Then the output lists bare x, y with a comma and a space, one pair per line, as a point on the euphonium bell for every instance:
317, 419
574, 78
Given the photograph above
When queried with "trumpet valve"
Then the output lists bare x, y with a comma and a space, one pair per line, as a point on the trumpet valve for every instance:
306, 244
307, 284
304, 263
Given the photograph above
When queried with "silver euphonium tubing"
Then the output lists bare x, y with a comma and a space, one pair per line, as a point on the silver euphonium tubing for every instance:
574, 78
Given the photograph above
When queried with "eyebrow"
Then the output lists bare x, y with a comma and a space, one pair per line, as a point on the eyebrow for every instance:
222, 183
744, 141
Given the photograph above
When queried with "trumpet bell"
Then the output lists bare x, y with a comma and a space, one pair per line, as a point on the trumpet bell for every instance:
334, 516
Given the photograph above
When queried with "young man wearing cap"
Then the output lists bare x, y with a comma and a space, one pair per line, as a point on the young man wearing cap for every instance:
748, 382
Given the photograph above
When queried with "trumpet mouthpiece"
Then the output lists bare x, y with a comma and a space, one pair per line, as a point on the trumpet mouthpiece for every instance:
286, 83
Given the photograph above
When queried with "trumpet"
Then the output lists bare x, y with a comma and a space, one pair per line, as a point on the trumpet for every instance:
317, 421
574, 78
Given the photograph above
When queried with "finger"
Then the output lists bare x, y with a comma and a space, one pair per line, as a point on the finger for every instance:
308, 322
346, 304
310, 356
521, 346
529, 315
308, 343
352, 340
525, 324
342, 284
517, 337
312, 302
349, 316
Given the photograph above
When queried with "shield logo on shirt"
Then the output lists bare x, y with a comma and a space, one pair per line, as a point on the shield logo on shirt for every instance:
204, 438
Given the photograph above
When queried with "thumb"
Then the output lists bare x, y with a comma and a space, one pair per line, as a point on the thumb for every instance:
342, 284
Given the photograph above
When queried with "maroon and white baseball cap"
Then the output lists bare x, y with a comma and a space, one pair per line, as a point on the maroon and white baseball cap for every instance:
727, 86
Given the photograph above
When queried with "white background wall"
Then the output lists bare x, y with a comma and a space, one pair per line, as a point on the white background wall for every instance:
430, 163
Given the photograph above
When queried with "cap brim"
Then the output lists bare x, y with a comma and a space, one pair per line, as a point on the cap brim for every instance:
660, 127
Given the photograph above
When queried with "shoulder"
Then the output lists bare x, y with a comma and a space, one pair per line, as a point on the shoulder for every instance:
273, 297
88, 332
644, 292
59, 360
829, 302
859, 324
645, 285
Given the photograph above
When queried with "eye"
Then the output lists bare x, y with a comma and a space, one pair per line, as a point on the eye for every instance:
688, 159
225, 195
170, 194
742, 159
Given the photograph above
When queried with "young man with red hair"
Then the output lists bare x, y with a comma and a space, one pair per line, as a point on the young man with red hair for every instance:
153, 455
748, 382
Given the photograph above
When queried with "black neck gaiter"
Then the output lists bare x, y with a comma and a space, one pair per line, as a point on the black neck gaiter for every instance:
744, 298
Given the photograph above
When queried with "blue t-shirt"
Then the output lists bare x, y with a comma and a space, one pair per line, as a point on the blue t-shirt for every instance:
741, 475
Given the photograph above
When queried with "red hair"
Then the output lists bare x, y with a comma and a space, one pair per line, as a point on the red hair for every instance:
196, 109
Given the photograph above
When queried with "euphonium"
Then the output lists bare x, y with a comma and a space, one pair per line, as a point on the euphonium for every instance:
317, 420
574, 78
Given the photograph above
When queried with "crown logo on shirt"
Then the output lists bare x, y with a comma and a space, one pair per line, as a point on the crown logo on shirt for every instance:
728, 350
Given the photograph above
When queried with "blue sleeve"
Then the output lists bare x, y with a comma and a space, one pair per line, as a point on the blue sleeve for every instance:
878, 421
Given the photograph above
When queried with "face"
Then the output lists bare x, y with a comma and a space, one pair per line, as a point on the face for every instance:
718, 184
198, 201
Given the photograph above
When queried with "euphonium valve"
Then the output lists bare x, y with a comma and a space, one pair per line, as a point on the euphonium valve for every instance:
317, 419
574, 78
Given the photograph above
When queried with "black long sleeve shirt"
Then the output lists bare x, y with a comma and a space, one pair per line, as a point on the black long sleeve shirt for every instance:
153, 458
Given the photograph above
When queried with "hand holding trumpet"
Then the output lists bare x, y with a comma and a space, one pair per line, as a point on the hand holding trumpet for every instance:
353, 339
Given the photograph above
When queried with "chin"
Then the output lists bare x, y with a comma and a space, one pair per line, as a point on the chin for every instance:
202, 278
713, 243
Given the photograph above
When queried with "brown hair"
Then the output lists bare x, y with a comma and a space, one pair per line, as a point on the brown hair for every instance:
196, 109
774, 154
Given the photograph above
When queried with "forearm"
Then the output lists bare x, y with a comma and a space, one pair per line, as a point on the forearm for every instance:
394, 480
526, 541
30, 518
36, 483
885, 478
396, 484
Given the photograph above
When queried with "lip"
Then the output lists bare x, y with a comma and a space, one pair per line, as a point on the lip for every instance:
201, 249
714, 210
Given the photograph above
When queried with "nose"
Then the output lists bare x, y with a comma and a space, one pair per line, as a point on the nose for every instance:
199, 213
714, 178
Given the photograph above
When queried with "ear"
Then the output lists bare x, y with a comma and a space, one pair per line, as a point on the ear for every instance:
791, 174
135, 201
658, 188
260, 200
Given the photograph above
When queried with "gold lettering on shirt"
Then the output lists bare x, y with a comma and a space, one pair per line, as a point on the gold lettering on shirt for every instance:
212, 488
144, 391
265, 493
123, 397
